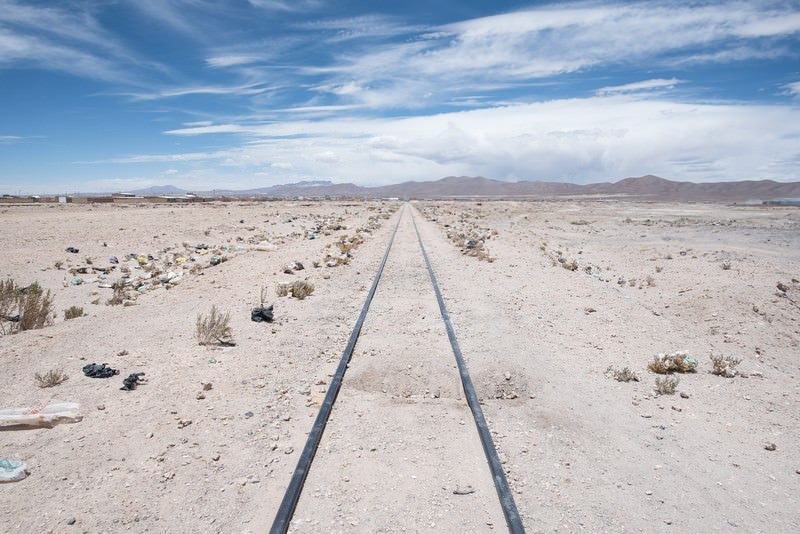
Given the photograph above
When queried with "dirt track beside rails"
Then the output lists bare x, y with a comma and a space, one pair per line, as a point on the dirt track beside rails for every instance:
582, 451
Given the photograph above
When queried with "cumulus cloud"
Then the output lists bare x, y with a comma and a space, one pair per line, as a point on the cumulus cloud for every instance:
581, 140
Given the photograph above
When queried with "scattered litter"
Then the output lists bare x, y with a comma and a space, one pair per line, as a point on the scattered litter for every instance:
216, 260
262, 314
466, 490
102, 370
133, 380
72, 250
12, 470
52, 414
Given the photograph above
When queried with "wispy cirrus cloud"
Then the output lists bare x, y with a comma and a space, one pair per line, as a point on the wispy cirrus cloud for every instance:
288, 5
645, 85
555, 40
793, 88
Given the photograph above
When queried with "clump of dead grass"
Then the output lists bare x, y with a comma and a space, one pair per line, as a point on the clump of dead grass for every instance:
299, 289
51, 378
120, 293
622, 375
73, 312
666, 385
724, 365
213, 328
676, 362
24, 308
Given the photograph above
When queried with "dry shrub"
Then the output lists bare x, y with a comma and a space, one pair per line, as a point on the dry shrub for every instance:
51, 378
301, 289
213, 328
651, 282
282, 289
676, 362
120, 293
73, 312
571, 265
659, 268
24, 308
622, 375
724, 365
666, 385
581, 222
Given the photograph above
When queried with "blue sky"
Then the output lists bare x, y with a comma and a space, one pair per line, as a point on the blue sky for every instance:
107, 95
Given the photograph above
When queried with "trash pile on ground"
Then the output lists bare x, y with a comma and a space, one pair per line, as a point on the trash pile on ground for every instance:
140, 273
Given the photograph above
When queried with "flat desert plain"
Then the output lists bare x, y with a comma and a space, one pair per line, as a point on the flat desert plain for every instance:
548, 300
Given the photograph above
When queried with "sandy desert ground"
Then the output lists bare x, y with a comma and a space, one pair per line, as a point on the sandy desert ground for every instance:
547, 297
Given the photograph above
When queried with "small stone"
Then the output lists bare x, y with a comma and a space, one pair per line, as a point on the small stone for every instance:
647, 415
648, 492
732, 522
684, 395
507, 375
101, 407
71, 521
149, 435
183, 423
248, 415
207, 386
215, 458
289, 450
770, 447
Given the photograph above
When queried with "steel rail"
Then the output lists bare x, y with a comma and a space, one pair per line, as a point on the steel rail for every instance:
292, 496
513, 520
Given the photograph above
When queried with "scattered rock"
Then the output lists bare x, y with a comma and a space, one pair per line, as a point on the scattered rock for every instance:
466, 490
248, 415
684, 395
770, 447
101, 407
207, 386
71, 521
200, 395
183, 423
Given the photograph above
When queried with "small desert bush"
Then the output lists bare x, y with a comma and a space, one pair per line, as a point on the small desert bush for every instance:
299, 289
120, 293
677, 362
666, 385
73, 312
622, 375
24, 308
724, 365
581, 222
51, 378
659, 268
571, 265
282, 289
213, 328
651, 282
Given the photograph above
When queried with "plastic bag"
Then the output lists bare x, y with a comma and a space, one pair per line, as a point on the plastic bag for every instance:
12, 470
52, 414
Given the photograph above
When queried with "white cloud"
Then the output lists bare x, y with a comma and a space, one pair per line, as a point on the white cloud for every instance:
793, 88
646, 85
287, 5
553, 40
582, 140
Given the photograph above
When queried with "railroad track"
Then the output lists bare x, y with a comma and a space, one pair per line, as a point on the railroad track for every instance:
413, 388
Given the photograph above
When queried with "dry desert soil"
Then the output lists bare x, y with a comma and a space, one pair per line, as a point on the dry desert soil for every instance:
547, 299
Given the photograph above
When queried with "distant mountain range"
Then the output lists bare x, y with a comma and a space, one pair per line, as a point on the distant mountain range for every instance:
644, 188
